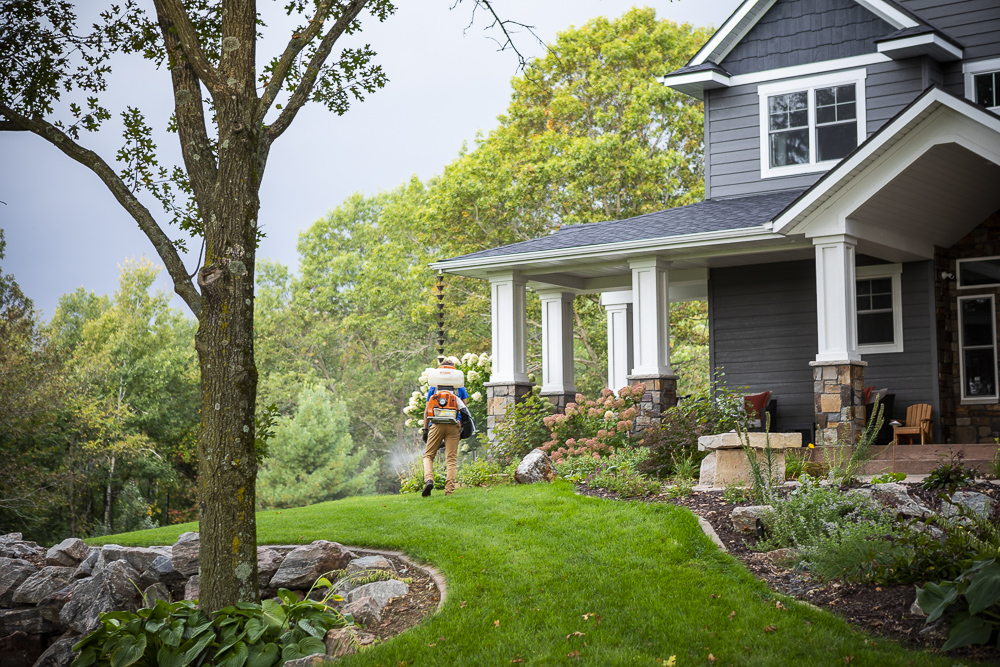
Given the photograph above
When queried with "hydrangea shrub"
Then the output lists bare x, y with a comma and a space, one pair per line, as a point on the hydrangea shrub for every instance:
597, 427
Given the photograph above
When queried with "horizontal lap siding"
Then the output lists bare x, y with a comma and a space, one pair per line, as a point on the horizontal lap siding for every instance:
890, 87
795, 33
910, 374
762, 332
974, 23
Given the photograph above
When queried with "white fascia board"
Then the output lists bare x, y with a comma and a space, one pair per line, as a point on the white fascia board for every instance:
727, 28
605, 251
891, 15
810, 69
921, 45
786, 221
695, 83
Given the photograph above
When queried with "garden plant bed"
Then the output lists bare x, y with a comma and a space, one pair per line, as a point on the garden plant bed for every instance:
884, 611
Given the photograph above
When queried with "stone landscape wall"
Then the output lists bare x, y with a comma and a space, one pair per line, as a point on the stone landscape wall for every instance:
49, 598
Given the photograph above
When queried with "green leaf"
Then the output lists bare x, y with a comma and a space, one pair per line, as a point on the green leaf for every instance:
86, 658
310, 628
966, 630
263, 656
237, 656
129, 651
273, 615
311, 646
195, 650
291, 652
172, 634
167, 657
255, 629
935, 598
984, 589
287, 596
153, 625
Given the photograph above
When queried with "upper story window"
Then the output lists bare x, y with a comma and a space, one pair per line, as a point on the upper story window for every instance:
982, 83
809, 124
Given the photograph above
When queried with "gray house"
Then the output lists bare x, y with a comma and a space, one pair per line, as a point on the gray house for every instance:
849, 238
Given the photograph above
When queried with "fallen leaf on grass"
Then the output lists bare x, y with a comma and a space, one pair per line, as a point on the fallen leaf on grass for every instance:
462, 606
573, 654
516, 661
671, 662
496, 623
711, 658
732, 614
848, 659
588, 615
712, 596
770, 628
574, 634
432, 645
778, 605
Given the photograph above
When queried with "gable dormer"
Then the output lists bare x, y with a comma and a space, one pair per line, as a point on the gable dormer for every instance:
793, 86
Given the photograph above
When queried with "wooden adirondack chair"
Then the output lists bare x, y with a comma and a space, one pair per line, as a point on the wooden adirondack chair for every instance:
918, 422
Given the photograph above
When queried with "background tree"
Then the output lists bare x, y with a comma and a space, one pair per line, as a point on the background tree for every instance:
312, 457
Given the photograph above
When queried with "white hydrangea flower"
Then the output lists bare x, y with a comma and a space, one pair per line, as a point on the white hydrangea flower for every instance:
473, 376
466, 357
409, 422
420, 423
407, 410
477, 396
473, 360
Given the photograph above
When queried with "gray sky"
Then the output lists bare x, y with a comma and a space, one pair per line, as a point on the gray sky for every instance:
64, 230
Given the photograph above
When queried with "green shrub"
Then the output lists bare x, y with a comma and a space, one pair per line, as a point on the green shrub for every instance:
971, 601
950, 475
860, 552
595, 427
481, 472
617, 473
411, 480
522, 430
796, 463
889, 478
736, 494
178, 633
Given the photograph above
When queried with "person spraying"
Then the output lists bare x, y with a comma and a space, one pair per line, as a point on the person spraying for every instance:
446, 421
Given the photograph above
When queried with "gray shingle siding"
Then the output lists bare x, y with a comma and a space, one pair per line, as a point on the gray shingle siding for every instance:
973, 23
733, 162
762, 332
794, 32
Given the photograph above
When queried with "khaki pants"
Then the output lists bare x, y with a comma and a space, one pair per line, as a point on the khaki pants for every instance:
449, 433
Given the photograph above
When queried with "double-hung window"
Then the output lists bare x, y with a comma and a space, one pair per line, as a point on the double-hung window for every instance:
982, 83
879, 308
978, 348
809, 124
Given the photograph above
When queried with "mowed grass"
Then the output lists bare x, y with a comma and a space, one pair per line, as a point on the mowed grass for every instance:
541, 575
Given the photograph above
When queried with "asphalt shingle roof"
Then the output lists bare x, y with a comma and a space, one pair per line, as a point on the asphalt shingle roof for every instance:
711, 215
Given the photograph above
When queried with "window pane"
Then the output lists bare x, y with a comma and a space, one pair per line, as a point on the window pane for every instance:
798, 119
881, 286
864, 287
875, 328
777, 104
982, 272
779, 121
977, 322
825, 96
798, 100
826, 114
845, 93
880, 301
980, 372
846, 111
790, 147
835, 141
986, 89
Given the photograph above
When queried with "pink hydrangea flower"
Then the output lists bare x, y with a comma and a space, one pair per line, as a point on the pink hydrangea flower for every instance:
609, 415
602, 433
580, 398
630, 424
571, 442
620, 427
606, 392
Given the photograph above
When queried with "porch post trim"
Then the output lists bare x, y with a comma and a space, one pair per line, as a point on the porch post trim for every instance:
651, 312
836, 300
509, 327
620, 350
557, 342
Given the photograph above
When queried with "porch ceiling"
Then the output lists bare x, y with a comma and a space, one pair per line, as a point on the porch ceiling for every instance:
938, 198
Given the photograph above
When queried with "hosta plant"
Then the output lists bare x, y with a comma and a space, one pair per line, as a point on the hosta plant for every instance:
178, 634
972, 601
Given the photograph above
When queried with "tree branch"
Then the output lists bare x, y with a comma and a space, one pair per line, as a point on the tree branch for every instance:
302, 91
297, 42
6, 126
164, 247
188, 38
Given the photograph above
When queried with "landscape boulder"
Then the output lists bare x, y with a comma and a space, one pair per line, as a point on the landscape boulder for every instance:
20, 648
87, 565
304, 565
345, 641
60, 654
12, 546
184, 555
192, 588
379, 591
365, 564
268, 562
13, 573
43, 583
970, 501
161, 570
108, 590
745, 518
535, 467
365, 611
139, 558
154, 593
26, 619
51, 606
895, 496
68, 553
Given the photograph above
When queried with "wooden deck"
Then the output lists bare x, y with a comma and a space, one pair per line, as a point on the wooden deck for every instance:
915, 459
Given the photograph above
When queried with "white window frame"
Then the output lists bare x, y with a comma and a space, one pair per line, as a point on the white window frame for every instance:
961, 352
970, 70
808, 84
958, 272
894, 271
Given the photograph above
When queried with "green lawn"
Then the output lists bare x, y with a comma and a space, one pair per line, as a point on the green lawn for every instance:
525, 564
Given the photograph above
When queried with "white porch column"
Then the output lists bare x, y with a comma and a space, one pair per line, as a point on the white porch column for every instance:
510, 353
620, 358
651, 304
557, 342
836, 301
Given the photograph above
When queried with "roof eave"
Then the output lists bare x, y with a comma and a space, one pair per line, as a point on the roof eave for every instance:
695, 83
928, 44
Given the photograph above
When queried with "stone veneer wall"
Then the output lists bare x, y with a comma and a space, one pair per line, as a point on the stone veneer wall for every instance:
837, 390
500, 397
970, 423
661, 393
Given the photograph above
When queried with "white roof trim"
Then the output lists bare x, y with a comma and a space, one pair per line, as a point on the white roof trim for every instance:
731, 30
843, 172
603, 251
919, 45
695, 83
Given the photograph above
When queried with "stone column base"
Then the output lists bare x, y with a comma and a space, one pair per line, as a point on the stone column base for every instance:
840, 412
661, 393
559, 399
500, 397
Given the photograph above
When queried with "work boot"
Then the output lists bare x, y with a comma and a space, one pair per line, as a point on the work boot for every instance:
427, 489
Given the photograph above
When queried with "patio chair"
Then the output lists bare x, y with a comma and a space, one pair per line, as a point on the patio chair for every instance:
918, 422
757, 405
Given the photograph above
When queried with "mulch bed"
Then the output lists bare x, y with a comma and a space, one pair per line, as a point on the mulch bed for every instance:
883, 611
404, 612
